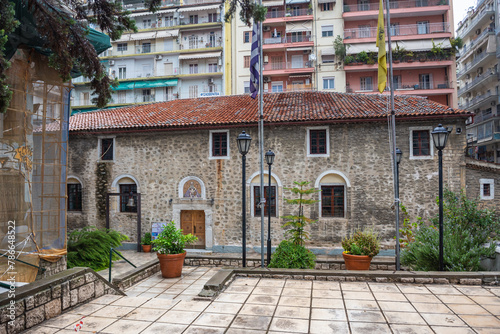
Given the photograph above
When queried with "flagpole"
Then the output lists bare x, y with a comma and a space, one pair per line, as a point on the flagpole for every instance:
261, 142
393, 126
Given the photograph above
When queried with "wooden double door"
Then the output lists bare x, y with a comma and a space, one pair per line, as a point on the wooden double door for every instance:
193, 221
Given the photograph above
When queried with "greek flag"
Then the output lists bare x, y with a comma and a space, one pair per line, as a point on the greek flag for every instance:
254, 61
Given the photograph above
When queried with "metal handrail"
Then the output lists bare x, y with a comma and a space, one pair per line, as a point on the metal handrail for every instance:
111, 250
29, 264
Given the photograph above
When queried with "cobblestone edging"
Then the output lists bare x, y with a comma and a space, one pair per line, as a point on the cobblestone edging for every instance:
224, 278
49, 297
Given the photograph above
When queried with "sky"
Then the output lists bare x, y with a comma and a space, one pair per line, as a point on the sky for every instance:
460, 9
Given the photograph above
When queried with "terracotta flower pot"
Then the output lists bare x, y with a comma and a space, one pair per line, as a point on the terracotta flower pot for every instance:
357, 262
146, 248
171, 264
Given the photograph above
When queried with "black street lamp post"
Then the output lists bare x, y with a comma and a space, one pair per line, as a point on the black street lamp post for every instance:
399, 154
269, 159
440, 136
243, 141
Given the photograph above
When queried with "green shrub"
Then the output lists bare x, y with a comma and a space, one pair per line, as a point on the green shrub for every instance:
172, 241
89, 247
146, 239
362, 57
362, 243
349, 59
292, 256
466, 229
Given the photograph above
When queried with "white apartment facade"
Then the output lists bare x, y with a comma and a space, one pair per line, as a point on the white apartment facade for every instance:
176, 53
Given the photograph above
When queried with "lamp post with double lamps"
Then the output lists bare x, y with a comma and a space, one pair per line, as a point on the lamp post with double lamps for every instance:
269, 159
399, 154
244, 140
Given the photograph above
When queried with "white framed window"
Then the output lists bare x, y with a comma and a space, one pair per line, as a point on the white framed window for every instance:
247, 87
219, 144
327, 30
122, 72
421, 145
122, 96
329, 83
193, 91
326, 6
334, 186
277, 86
318, 141
327, 59
193, 68
106, 148
122, 47
212, 68
366, 83
253, 183
487, 189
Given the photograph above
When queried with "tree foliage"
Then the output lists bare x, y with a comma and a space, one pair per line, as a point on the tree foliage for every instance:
7, 24
297, 223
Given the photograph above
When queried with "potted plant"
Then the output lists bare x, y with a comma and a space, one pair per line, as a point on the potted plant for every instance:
359, 249
169, 246
349, 60
146, 242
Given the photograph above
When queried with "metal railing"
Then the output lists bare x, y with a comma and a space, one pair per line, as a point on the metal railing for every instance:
477, 80
111, 250
288, 39
476, 41
288, 13
198, 2
404, 86
476, 100
477, 59
276, 66
401, 30
488, 10
394, 5
480, 117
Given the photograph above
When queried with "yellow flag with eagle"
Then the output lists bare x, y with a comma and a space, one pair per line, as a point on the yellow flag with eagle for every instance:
382, 60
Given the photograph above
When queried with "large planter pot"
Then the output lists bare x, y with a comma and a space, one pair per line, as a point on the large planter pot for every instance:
146, 248
357, 262
171, 264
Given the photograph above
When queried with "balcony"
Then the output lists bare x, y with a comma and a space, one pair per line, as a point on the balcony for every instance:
289, 88
480, 79
481, 58
288, 13
401, 30
288, 67
144, 98
404, 87
288, 39
199, 43
478, 101
482, 37
199, 2
480, 19
374, 6
141, 5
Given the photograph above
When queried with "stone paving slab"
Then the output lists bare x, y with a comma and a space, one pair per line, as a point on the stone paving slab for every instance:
276, 306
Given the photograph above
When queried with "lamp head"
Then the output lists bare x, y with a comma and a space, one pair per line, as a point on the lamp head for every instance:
270, 157
399, 155
244, 141
440, 136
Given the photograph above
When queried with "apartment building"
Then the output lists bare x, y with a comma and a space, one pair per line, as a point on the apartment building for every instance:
423, 60
176, 53
478, 79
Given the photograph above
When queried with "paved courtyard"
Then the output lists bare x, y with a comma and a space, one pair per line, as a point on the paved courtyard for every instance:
259, 305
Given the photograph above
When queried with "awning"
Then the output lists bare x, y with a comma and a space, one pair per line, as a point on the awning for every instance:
328, 52
199, 8
309, 48
128, 85
491, 44
415, 45
137, 36
326, 1
297, 27
200, 55
272, 3
167, 33
294, 2
300, 76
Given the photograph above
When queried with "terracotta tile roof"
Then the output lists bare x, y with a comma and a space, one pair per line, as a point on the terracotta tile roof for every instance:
242, 109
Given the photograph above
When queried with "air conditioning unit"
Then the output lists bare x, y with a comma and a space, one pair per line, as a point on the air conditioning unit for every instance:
181, 16
266, 59
211, 81
266, 28
111, 63
158, 57
267, 79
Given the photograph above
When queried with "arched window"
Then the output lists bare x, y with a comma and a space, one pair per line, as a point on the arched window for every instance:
74, 192
126, 185
333, 198
270, 194
192, 187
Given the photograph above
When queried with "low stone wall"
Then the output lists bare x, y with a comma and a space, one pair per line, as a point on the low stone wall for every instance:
378, 263
126, 280
49, 297
48, 268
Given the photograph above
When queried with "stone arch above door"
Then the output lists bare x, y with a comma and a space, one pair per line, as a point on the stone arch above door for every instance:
192, 187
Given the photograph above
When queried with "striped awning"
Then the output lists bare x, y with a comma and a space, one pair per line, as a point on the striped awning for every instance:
200, 55
198, 8
326, 1
137, 36
296, 27
272, 3
328, 52
167, 33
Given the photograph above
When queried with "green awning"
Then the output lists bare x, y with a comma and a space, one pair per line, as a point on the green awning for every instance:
146, 84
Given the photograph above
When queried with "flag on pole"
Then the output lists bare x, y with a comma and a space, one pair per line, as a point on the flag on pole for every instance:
382, 60
254, 61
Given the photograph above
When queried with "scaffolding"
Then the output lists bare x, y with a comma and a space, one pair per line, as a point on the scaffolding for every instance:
33, 159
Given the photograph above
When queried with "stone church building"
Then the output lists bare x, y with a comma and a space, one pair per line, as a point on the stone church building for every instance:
182, 157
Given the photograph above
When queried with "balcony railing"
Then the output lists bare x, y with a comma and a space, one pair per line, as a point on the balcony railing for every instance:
141, 5
401, 30
288, 39
288, 13
199, 2
477, 80
480, 117
475, 42
289, 65
487, 10
405, 86
477, 59
144, 98
476, 100
292, 88
394, 5
145, 48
